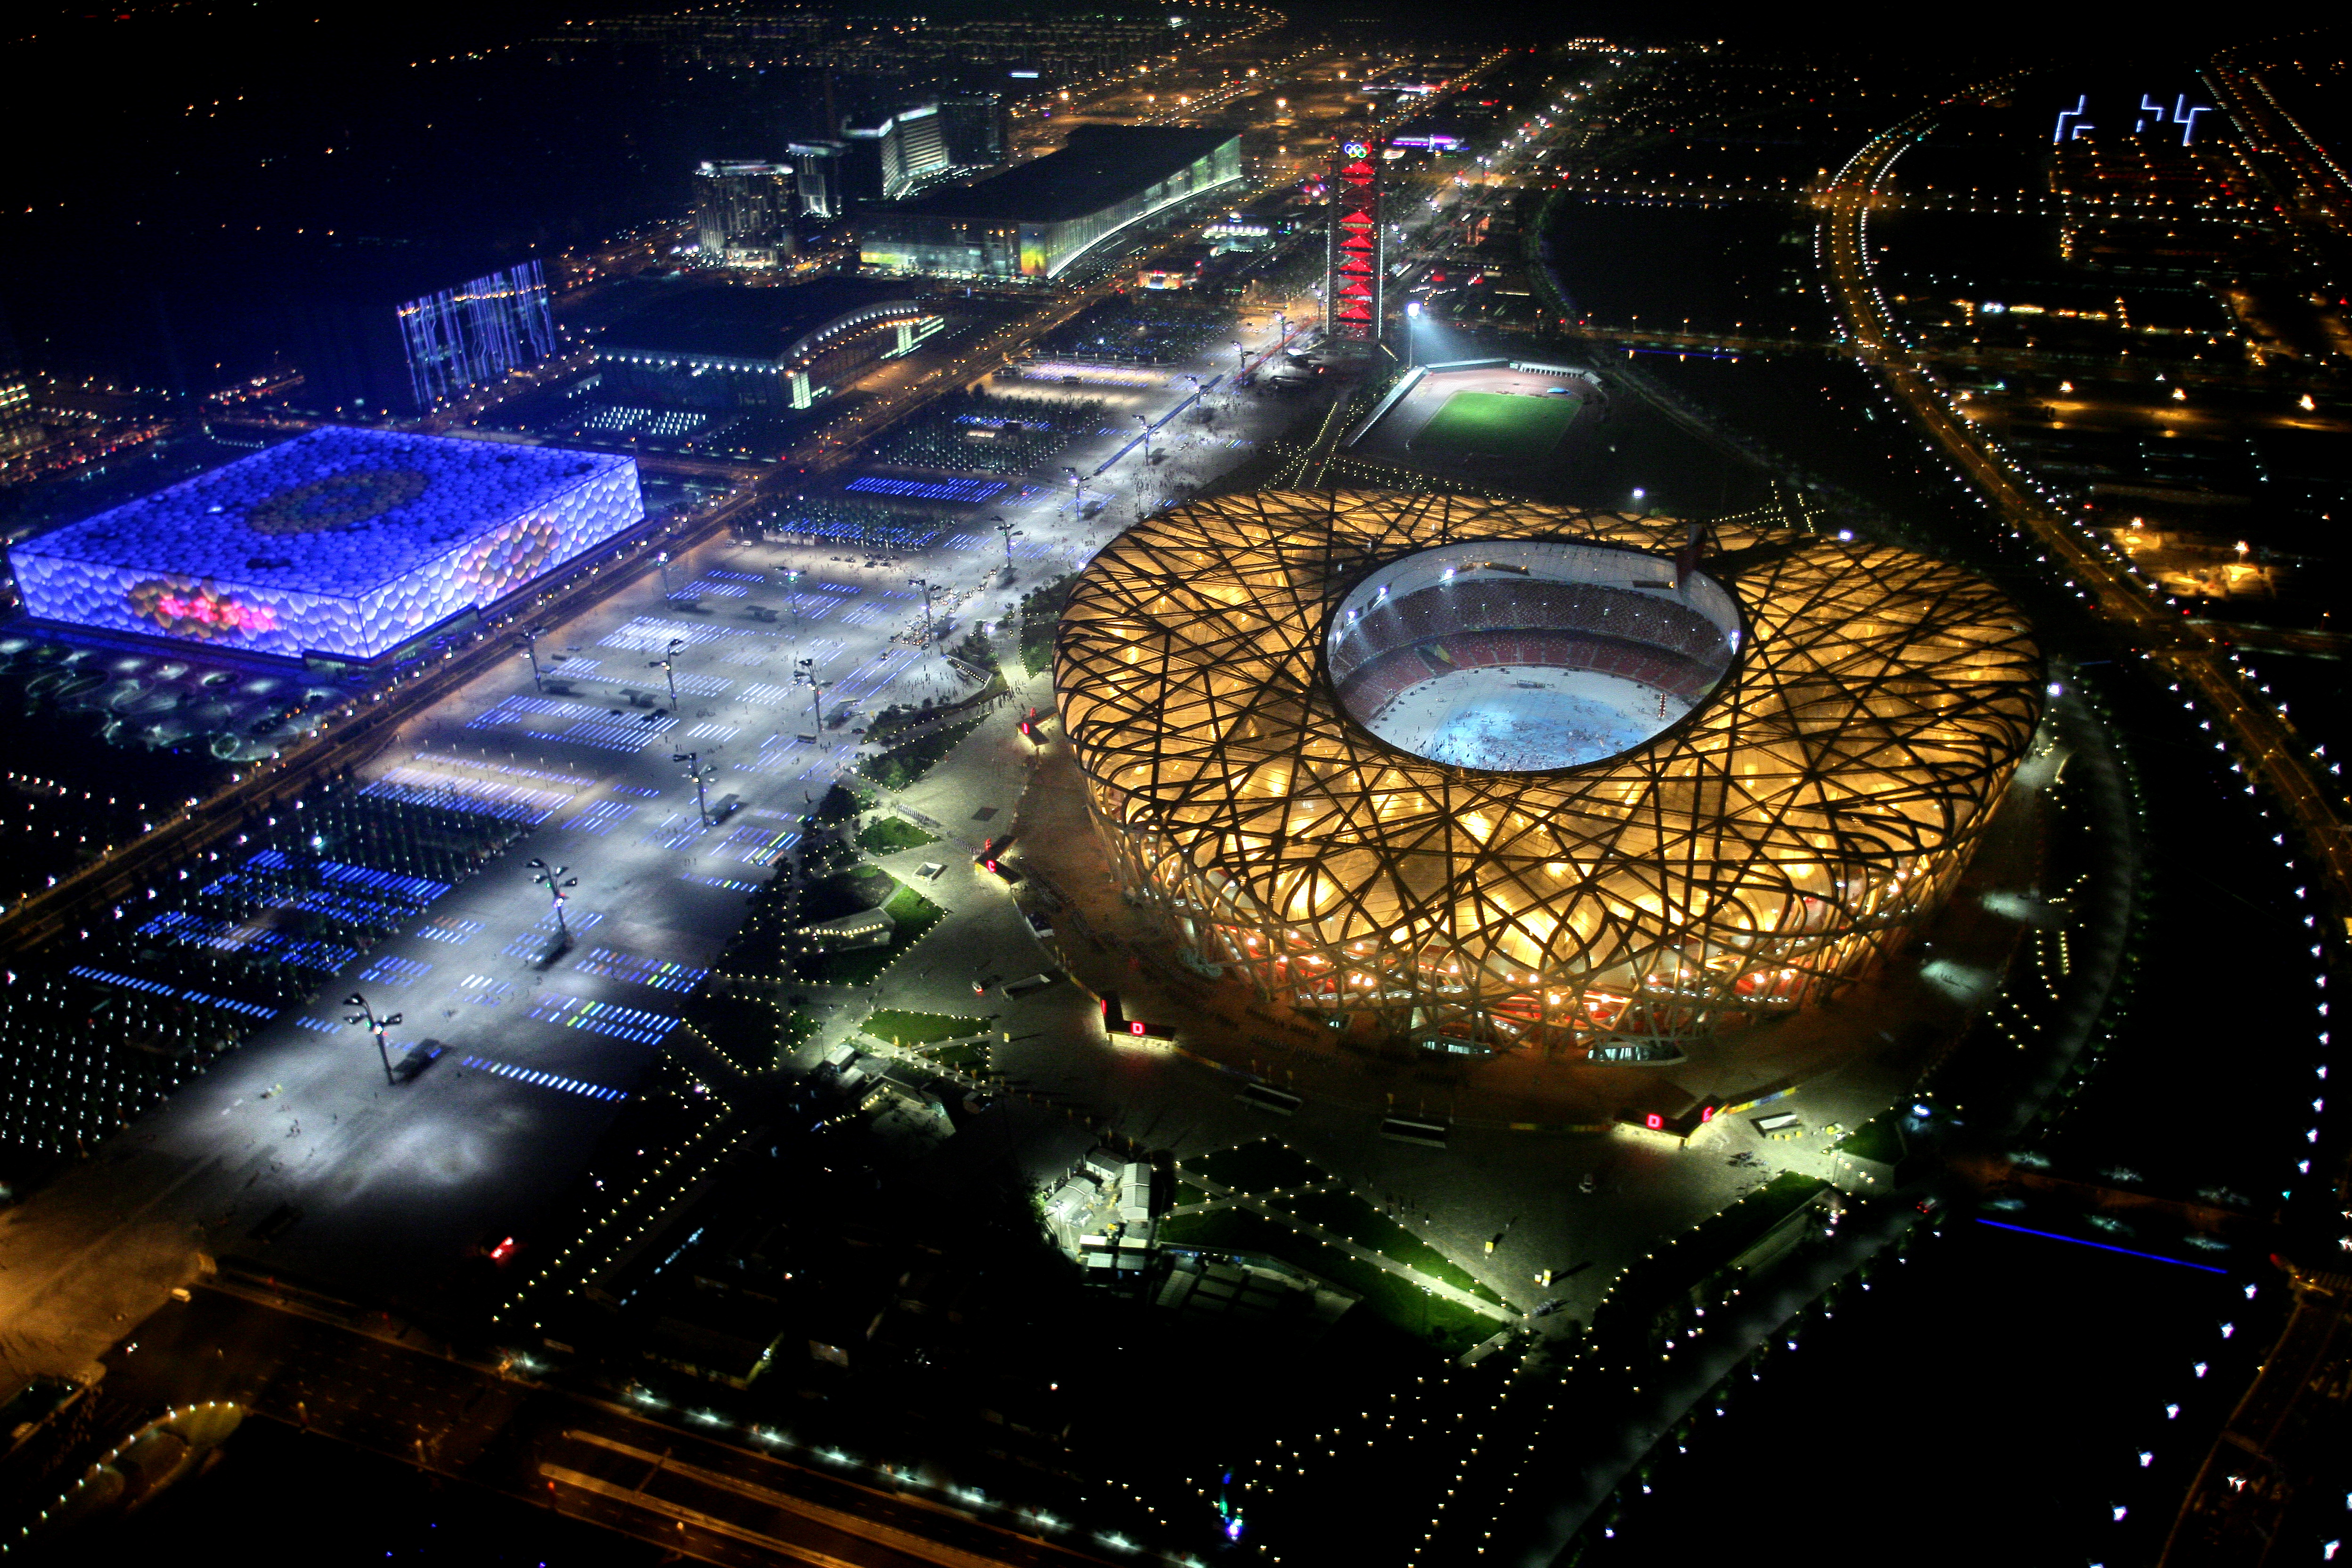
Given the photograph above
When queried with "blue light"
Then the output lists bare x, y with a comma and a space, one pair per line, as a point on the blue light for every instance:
341, 542
476, 333
923, 489
2103, 1246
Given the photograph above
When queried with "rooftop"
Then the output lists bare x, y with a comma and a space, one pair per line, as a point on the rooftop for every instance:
338, 510
1101, 165
729, 322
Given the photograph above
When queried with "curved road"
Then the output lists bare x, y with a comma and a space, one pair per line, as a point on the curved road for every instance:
2266, 745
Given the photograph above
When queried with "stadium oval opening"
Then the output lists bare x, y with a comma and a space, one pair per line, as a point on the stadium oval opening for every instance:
1526, 655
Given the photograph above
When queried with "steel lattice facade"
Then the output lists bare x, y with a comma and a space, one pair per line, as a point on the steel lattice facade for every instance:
1801, 820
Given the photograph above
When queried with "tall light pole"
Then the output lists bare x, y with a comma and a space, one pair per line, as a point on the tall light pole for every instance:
376, 1026
1077, 490
923, 583
1010, 533
1139, 419
1240, 362
559, 885
1411, 321
666, 664
529, 637
662, 561
698, 772
805, 675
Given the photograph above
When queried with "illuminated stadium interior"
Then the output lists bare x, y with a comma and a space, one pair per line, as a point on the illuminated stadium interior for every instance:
1523, 655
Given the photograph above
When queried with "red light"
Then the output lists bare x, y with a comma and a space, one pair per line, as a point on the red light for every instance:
1133, 1027
503, 1250
991, 865
1654, 1120
1707, 1113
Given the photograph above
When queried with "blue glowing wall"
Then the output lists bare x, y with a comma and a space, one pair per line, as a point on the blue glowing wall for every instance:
339, 542
476, 333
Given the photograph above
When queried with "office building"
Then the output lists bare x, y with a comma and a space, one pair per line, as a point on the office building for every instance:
741, 202
975, 124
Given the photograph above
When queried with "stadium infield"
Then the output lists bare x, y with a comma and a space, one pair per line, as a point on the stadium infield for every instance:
1503, 423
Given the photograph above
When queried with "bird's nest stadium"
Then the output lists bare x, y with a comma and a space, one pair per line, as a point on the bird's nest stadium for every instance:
1513, 777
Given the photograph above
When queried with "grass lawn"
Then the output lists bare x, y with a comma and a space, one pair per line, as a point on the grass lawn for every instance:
1445, 1324
919, 1028
753, 1032
1259, 1167
915, 916
1509, 423
902, 765
1345, 1213
885, 835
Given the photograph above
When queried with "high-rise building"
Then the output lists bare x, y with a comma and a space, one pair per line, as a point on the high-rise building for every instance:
19, 427
818, 177
974, 126
735, 200
916, 148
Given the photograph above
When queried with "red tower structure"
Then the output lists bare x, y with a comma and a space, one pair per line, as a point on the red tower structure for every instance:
1352, 315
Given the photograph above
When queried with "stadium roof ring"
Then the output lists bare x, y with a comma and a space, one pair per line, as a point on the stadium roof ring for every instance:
1509, 776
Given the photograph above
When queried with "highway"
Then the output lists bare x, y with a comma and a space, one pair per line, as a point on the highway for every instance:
359, 1376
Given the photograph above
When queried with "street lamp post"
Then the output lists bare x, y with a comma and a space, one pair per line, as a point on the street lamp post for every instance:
529, 637
924, 586
805, 675
667, 664
1240, 362
662, 561
699, 774
1077, 490
1010, 533
377, 1026
557, 883
1411, 320
1139, 419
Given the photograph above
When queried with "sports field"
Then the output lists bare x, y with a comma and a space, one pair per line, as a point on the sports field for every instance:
1502, 422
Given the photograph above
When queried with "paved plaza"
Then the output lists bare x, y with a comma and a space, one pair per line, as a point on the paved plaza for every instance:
295, 1152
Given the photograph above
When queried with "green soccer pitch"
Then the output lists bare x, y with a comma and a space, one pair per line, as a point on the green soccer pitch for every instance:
1511, 423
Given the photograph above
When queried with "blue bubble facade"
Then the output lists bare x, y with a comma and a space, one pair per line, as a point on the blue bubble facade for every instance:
341, 542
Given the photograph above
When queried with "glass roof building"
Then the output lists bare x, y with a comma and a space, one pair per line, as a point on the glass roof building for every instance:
1034, 219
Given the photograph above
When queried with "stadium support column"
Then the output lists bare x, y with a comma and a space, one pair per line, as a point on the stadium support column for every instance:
1351, 295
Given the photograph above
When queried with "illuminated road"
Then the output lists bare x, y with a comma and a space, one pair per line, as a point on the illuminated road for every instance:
360, 1377
2266, 745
